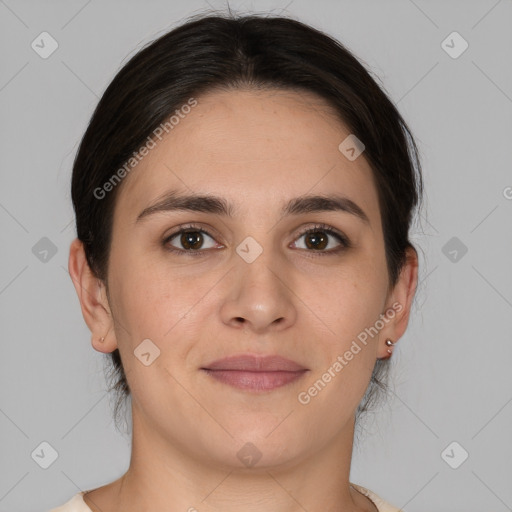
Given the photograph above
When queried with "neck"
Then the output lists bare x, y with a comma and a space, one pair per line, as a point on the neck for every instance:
162, 472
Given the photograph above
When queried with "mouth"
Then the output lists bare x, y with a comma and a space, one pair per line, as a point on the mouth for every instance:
255, 373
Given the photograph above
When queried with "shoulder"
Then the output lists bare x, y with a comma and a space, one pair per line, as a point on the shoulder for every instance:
75, 504
382, 506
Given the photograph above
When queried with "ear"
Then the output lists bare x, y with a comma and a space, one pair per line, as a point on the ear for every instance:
400, 300
93, 299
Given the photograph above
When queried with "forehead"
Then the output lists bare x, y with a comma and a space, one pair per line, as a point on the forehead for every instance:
257, 149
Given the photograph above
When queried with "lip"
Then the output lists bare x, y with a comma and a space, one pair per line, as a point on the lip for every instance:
254, 363
255, 373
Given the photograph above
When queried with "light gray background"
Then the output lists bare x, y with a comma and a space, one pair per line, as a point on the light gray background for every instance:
452, 378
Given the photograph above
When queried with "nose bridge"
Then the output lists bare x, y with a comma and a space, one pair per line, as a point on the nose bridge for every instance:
259, 295
259, 267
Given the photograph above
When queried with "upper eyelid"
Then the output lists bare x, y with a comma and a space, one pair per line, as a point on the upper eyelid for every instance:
192, 227
340, 235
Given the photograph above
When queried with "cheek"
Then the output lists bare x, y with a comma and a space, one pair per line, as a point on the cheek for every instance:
160, 302
345, 310
348, 299
148, 307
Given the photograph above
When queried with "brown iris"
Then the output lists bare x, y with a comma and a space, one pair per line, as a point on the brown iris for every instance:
318, 240
191, 240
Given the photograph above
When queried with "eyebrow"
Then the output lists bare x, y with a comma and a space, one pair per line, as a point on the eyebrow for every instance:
177, 201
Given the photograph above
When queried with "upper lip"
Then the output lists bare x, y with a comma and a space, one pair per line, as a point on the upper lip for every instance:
254, 363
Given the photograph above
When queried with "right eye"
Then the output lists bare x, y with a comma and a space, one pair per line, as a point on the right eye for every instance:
190, 238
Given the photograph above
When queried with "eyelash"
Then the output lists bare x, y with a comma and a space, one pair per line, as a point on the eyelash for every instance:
192, 228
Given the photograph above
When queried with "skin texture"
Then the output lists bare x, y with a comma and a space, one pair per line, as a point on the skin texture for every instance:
257, 149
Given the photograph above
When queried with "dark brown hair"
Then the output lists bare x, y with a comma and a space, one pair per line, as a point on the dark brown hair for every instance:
212, 51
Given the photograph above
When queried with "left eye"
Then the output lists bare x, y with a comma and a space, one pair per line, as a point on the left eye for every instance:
317, 239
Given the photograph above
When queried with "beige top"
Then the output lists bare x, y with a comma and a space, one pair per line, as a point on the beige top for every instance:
77, 504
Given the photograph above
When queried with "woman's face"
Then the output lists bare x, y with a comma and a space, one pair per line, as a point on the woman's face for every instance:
250, 282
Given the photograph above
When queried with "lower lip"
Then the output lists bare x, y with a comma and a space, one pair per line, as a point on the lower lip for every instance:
255, 381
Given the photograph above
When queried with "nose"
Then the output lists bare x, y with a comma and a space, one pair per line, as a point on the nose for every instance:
259, 298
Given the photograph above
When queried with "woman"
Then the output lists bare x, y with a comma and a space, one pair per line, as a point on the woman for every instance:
243, 196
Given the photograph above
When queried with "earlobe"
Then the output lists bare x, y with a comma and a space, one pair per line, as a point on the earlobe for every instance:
400, 300
93, 299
